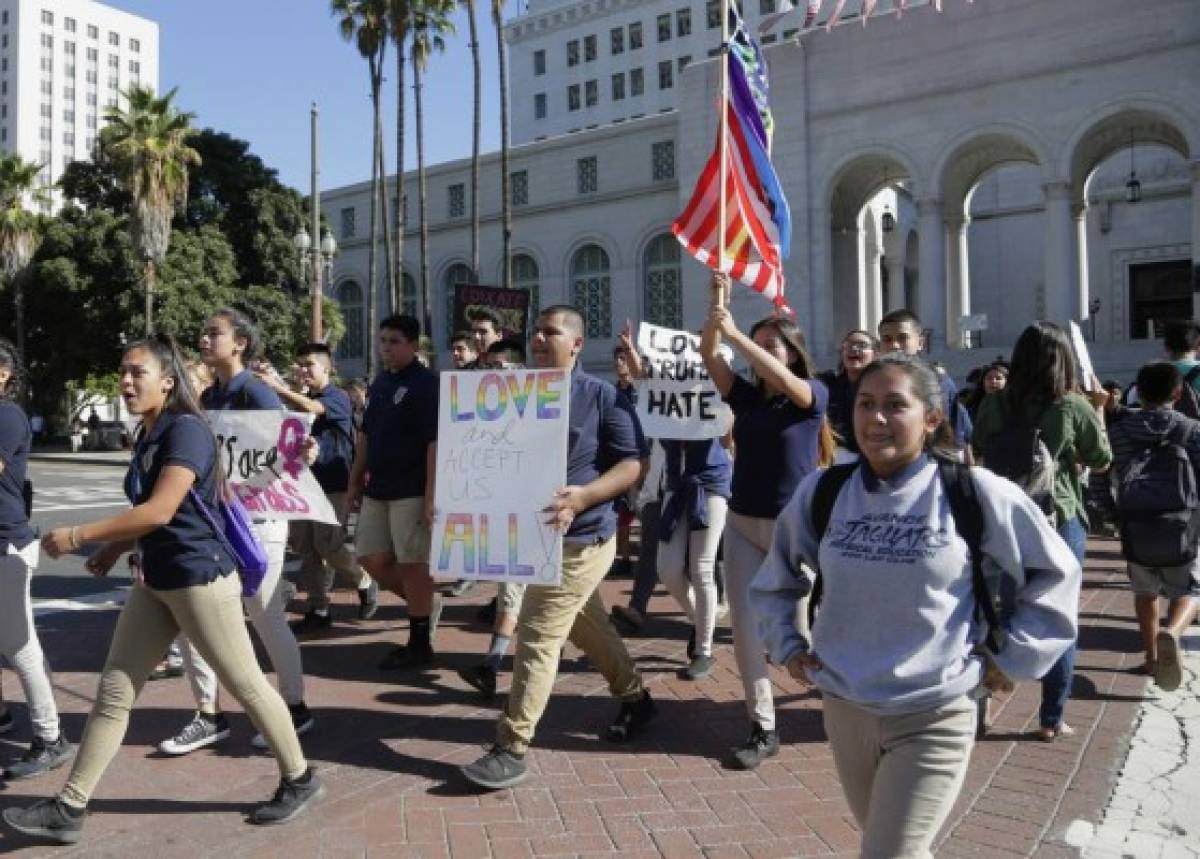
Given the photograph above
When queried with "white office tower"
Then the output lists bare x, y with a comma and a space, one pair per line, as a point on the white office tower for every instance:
582, 64
62, 62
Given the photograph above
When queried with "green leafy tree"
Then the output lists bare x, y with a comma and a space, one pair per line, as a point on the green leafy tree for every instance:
19, 229
148, 143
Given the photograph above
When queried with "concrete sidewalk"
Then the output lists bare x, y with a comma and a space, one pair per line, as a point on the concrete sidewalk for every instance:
389, 747
83, 457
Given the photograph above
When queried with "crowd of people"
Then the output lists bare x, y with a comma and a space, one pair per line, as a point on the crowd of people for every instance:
905, 548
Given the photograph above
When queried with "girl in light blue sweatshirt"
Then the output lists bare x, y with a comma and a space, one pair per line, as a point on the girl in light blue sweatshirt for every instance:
895, 645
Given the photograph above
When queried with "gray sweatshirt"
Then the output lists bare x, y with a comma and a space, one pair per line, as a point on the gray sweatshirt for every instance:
896, 629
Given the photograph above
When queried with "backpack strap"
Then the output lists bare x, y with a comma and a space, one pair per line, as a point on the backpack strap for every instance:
968, 521
829, 486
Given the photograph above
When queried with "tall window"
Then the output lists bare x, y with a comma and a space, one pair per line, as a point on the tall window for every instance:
637, 82
539, 105
635, 35
539, 62
573, 52
456, 202
618, 86
457, 274
589, 48
408, 294
617, 38
586, 171
666, 75
525, 275
1158, 291
663, 282
664, 27
518, 187
712, 14
683, 22
662, 160
591, 289
591, 93
350, 297
573, 97
766, 7
348, 222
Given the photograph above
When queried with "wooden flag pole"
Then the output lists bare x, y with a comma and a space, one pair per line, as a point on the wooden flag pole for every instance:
723, 138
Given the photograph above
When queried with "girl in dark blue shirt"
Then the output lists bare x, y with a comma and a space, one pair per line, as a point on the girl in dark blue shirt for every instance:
186, 583
780, 435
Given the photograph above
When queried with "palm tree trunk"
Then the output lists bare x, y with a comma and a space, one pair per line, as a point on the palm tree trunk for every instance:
372, 299
19, 314
426, 312
476, 122
505, 191
385, 220
400, 203
148, 284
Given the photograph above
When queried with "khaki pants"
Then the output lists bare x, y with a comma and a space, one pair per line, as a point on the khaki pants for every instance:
211, 617
549, 617
901, 774
324, 556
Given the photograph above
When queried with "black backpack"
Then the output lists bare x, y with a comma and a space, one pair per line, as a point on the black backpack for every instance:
1189, 401
995, 591
1017, 452
1158, 506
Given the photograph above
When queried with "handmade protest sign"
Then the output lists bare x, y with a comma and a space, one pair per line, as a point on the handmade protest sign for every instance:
262, 452
511, 305
501, 456
677, 399
1083, 358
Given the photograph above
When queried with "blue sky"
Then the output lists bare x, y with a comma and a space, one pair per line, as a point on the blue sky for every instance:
252, 69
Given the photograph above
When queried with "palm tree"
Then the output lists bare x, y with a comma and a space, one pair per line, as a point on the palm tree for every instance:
476, 121
364, 22
505, 193
431, 23
400, 28
147, 142
18, 231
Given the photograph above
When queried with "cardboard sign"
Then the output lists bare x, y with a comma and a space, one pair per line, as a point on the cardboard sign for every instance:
511, 305
1083, 359
263, 456
501, 456
677, 399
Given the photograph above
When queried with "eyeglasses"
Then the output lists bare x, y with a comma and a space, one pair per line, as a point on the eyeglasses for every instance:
858, 346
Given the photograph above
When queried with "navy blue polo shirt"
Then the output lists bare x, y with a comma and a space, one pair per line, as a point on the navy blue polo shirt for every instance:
400, 422
776, 445
841, 407
187, 551
333, 431
956, 413
704, 461
603, 432
244, 392
15, 437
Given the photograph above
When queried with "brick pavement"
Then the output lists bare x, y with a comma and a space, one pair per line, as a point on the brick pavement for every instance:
388, 751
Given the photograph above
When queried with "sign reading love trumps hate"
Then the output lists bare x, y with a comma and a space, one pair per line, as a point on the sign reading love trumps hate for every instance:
262, 452
501, 456
677, 399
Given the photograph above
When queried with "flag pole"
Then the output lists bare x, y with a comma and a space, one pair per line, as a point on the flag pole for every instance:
723, 141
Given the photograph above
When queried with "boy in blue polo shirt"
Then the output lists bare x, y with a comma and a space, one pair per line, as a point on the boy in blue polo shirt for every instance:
322, 547
900, 331
602, 462
392, 477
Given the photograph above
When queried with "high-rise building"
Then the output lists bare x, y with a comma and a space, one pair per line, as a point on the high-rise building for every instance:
62, 63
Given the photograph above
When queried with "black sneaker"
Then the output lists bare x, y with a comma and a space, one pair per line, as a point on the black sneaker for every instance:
313, 621
291, 799
760, 745
498, 769
487, 612
302, 720
481, 677
41, 757
50, 819
631, 718
201, 731
407, 658
368, 601
6, 722
699, 668
691, 645
626, 619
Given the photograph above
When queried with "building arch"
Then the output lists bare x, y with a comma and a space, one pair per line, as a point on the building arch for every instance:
858, 175
452, 272
590, 275
976, 151
662, 280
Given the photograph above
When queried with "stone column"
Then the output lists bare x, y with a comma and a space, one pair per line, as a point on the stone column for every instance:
958, 279
895, 268
872, 283
1062, 258
931, 286
1196, 240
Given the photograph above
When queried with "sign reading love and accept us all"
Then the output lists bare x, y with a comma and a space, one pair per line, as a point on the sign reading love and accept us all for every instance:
263, 455
501, 456
677, 399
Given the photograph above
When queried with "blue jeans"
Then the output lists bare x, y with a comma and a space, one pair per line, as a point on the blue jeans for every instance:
1056, 685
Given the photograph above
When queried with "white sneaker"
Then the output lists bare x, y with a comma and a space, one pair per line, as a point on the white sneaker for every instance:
196, 734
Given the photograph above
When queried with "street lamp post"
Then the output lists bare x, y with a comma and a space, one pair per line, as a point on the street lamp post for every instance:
316, 257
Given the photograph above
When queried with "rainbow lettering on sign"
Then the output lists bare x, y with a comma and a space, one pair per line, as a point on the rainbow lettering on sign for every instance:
497, 394
460, 529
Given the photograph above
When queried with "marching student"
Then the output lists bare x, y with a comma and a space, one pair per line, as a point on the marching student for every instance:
19, 641
780, 436
184, 580
229, 341
462, 351
856, 352
486, 326
893, 648
392, 478
322, 547
602, 462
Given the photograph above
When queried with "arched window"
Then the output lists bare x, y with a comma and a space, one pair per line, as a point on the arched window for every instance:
350, 297
459, 273
408, 295
662, 285
525, 275
591, 288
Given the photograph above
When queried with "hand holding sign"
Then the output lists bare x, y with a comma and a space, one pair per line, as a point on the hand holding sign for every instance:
567, 503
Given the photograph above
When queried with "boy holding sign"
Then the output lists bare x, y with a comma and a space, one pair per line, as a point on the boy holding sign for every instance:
602, 462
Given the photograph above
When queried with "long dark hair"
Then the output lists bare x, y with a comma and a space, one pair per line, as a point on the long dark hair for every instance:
802, 367
10, 360
243, 329
1042, 370
927, 387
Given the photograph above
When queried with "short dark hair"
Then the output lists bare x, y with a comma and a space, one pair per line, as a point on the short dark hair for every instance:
405, 324
1180, 336
481, 313
510, 350
315, 349
1158, 383
571, 314
463, 337
900, 317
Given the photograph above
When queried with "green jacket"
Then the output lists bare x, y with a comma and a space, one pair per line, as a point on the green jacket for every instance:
1072, 432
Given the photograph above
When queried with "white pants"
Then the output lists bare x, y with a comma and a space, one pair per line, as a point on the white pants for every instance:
20, 646
687, 565
266, 612
747, 540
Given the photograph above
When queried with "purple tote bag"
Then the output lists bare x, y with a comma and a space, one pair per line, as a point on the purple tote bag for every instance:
239, 538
